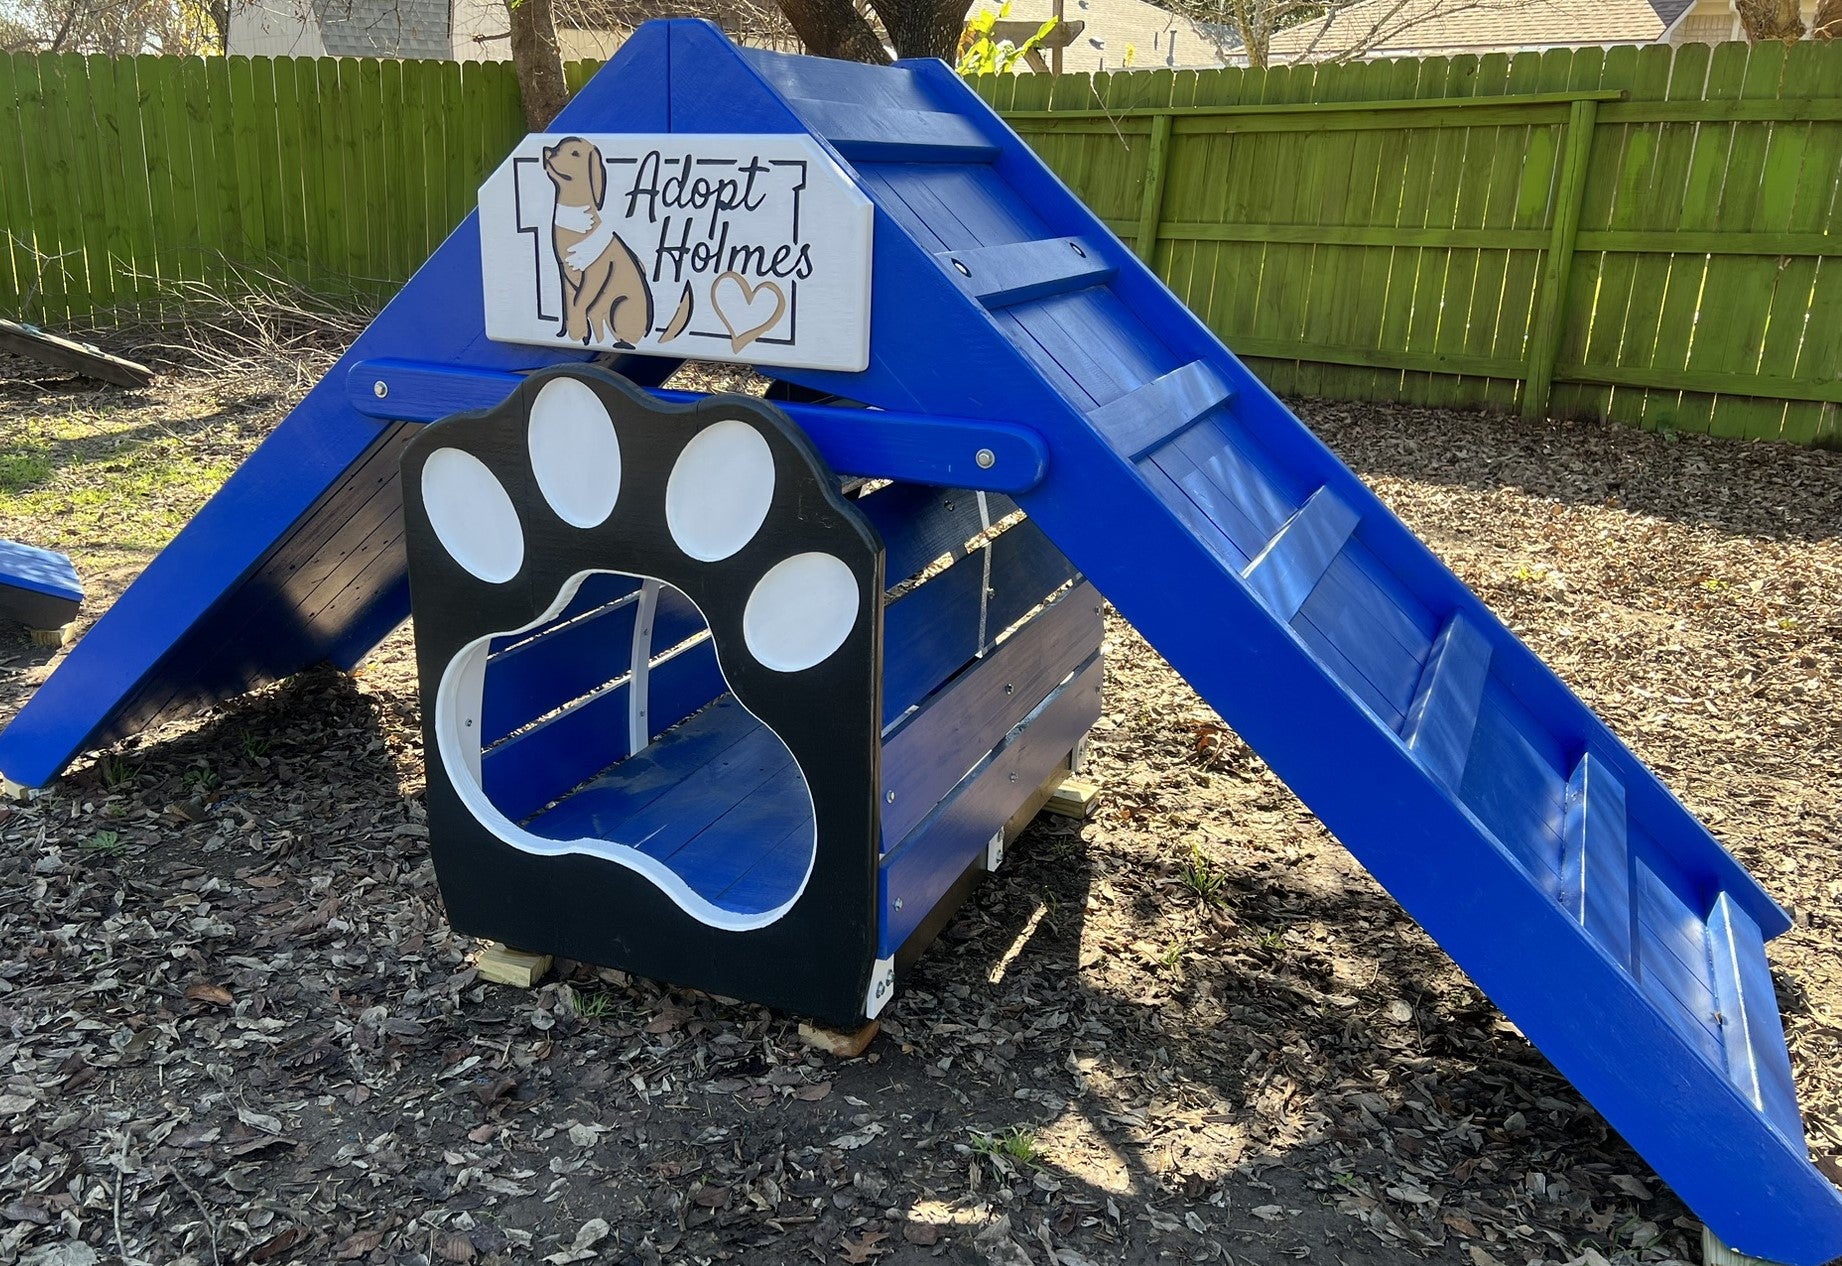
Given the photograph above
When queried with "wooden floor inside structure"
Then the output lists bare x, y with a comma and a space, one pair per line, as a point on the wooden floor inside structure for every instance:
717, 798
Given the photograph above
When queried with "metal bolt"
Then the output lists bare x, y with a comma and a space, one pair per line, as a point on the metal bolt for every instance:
1009, 688
963, 270
898, 903
1013, 775
889, 797
380, 388
1076, 247
985, 458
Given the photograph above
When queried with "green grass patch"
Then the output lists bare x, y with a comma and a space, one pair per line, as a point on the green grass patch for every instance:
115, 479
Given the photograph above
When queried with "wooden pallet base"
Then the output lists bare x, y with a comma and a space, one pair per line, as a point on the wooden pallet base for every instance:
504, 965
832, 1042
1075, 798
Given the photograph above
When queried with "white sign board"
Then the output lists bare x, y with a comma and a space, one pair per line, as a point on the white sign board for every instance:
738, 248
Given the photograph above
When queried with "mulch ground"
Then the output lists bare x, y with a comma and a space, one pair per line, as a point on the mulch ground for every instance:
234, 1026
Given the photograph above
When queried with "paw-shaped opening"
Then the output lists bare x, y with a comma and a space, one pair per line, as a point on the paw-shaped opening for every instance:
651, 634
697, 793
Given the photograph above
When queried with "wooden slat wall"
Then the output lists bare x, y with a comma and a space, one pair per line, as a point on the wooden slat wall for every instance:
1643, 234
127, 176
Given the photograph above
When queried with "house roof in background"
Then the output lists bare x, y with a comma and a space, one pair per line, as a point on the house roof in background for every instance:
385, 28
1446, 26
1158, 37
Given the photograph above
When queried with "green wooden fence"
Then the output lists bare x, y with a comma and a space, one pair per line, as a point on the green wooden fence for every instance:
125, 176
1648, 235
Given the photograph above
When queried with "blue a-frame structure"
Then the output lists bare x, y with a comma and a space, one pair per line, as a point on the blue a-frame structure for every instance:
1538, 851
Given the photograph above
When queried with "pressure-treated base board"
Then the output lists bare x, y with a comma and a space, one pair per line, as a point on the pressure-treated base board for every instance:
504, 965
1075, 798
832, 1042
17, 793
1715, 1252
61, 636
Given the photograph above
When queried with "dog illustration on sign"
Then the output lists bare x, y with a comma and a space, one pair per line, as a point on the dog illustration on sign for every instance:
605, 295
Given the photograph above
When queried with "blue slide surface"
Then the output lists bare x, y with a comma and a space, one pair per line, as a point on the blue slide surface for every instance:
1551, 864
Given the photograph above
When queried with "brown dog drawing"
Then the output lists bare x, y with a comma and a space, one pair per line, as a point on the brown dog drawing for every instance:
605, 295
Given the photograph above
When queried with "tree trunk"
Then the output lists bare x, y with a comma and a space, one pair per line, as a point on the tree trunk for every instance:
1828, 23
1771, 20
834, 28
923, 28
538, 60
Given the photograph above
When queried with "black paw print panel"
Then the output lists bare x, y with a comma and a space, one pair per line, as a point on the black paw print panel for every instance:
649, 639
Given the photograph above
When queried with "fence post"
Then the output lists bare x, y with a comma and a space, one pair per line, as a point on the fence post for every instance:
1151, 203
1557, 269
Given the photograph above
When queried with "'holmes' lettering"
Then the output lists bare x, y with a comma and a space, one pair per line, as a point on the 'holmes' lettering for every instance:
718, 256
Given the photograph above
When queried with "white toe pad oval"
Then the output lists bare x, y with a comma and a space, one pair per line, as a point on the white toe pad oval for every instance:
800, 612
720, 490
575, 453
472, 515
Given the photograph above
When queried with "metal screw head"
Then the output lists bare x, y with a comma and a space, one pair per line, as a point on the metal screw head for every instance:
380, 388
963, 270
985, 458
889, 797
1076, 248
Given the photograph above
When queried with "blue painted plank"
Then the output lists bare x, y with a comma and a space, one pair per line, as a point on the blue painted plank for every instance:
927, 756
1387, 668
1226, 450
1201, 527
1333, 657
919, 524
1020, 272
1365, 616
877, 134
529, 770
1284, 574
1159, 411
1192, 490
1596, 879
542, 674
1514, 792
595, 809
830, 79
725, 850
40, 571
1757, 1061
935, 629
919, 870
773, 877
702, 796
1443, 716
592, 594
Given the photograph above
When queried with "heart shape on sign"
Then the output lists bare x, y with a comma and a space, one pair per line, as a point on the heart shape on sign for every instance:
740, 307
